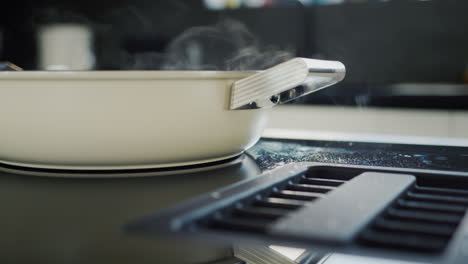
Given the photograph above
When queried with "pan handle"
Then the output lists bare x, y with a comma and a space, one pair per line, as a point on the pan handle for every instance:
284, 82
8, 66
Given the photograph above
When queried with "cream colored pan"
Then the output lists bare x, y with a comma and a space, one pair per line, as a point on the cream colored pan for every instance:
144, 119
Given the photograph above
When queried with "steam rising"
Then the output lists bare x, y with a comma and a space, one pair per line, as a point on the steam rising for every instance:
228, 45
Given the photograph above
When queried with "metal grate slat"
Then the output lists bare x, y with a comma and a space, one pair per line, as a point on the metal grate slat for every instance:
309, 188
403, 240
280, 203
320, 181
297, 195
434, 207
422, 215
414, 227
437, 198
441, 191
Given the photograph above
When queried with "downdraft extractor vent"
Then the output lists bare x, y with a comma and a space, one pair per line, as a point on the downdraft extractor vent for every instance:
373, 211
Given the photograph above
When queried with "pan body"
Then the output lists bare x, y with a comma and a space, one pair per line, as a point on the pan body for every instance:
122, 119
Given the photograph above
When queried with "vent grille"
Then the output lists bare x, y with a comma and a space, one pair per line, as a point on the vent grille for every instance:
256, 214
423, 219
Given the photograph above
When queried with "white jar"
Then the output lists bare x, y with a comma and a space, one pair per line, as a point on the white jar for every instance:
65, 47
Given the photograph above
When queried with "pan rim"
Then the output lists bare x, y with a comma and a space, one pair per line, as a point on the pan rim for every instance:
122, 75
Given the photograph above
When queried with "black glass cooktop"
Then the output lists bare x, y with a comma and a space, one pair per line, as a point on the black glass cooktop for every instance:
271, 153
61, 218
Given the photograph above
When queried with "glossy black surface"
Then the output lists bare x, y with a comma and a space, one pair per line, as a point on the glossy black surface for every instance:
272, 153
65, 220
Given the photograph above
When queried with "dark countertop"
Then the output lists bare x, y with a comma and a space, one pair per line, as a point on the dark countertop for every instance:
63, 220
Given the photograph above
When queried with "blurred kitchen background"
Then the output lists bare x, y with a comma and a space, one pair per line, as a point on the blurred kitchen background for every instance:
407, 60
